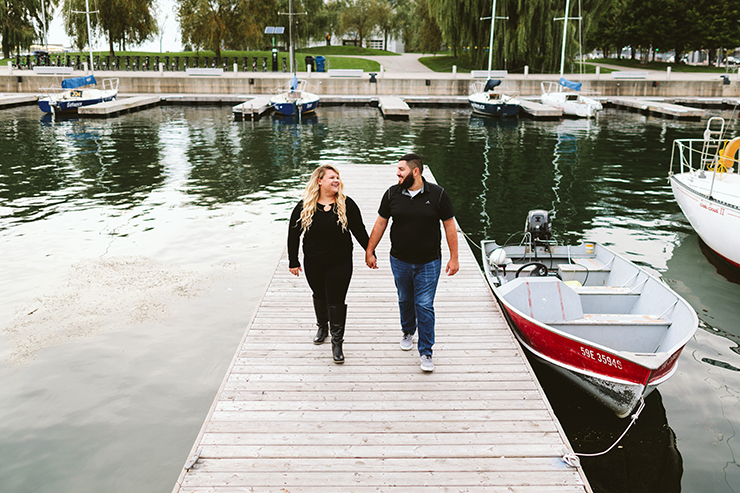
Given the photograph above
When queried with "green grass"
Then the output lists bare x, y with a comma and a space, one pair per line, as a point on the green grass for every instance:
662, 66
337, 62
444, 63
346, 51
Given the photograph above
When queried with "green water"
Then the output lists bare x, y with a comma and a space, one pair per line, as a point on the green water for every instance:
135, 250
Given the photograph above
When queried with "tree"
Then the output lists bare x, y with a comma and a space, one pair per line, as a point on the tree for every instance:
357, 16
21, 23
120, 21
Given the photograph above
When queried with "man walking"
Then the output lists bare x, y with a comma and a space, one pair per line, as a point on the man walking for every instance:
416, 207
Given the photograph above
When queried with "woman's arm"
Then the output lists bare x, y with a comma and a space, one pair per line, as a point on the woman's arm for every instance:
294, 237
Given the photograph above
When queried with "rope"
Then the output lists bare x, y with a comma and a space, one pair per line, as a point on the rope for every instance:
572, 458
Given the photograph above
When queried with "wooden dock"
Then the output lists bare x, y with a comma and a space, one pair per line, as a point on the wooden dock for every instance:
656, 107
252, 109
15, 99
393, 107
286, 418
119, 105
538, 110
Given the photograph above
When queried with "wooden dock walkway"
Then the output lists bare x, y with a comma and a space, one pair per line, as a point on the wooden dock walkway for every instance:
656, 107
288, 419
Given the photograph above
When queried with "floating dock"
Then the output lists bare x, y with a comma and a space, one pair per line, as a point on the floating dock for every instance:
119, 105
252, 109
656, 107
393, 107
287, 418
539, 110
15, 99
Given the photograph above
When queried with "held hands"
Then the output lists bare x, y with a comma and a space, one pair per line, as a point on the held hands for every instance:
296, 271
370, 260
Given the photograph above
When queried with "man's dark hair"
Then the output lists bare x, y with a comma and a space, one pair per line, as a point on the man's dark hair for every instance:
414, 161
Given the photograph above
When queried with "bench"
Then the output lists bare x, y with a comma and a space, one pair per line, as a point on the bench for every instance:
495, 74
612, 299
205, 71
53, 70
345, 72
629, 74
633, 332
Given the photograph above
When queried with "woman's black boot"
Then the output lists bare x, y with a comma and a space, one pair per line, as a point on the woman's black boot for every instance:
337, 318
322, 320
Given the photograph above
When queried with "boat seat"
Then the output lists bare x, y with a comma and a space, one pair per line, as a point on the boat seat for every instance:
584, 269
607, 299
615, 319
605, 290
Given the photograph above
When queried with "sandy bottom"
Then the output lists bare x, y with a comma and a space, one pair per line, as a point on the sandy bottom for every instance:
102, 294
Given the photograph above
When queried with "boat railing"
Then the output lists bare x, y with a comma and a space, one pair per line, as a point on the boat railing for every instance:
695, 156
110, 85
479, 86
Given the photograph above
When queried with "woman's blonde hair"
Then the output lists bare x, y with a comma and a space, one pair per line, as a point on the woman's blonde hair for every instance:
311, 198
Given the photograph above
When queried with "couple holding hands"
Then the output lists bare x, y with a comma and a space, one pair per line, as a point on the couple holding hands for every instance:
328, 219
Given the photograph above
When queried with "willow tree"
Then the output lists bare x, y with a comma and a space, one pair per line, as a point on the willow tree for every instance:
213, 24
21, 23
119, 21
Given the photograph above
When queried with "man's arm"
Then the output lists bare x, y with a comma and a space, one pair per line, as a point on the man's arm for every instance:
378, 229
451, 233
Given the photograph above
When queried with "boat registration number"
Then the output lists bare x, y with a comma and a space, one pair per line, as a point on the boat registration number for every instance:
75, 94
601, 358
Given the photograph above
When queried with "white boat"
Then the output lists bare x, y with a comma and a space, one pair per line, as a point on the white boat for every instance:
75, 93
295, 100
603, 322
705, 180
484, 99
562, 95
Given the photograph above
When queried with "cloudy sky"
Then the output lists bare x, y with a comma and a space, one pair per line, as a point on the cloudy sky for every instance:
170, 40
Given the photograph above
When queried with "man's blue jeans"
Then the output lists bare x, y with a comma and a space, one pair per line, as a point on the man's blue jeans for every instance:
417, 286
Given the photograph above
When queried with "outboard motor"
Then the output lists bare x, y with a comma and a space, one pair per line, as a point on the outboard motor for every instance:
538, 226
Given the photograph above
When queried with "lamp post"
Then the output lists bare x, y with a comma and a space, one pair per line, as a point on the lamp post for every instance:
274, 30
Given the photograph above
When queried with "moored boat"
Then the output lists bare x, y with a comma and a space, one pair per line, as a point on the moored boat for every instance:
565, 95
75, 93
705, 181
485, 100
295, 100
603, 322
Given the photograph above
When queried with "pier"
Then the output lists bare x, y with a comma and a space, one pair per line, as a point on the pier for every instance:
286, 418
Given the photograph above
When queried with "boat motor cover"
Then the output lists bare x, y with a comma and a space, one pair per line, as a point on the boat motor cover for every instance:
490, 84
576, 86
74, 82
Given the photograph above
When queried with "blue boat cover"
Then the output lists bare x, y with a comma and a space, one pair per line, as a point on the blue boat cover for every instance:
294, 83
78, 82
490, 84
576, 86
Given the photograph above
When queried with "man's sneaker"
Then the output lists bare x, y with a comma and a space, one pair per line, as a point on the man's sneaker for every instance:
426, 363
407, 342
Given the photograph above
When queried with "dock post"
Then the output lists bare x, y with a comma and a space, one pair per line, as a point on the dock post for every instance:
454, 71
667, 73
526, 71
598, 72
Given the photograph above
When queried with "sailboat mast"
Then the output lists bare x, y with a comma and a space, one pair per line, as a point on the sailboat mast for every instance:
565, 33
43, 20
290, 32
89, 39
490, 43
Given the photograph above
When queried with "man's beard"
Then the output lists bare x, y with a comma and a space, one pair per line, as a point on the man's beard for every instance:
408, 181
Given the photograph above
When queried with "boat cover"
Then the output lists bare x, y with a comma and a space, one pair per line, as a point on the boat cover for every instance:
78, 82
576, 86
490, 84
294, 83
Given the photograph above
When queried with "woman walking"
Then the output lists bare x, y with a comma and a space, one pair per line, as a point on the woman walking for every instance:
326, 217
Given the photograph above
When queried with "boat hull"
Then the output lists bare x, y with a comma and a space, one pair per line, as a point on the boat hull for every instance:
287, 107
617, 383
582, 107
716, 221
71, 104
482, 105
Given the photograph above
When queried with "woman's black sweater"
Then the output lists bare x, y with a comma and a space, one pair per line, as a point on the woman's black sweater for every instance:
325, 238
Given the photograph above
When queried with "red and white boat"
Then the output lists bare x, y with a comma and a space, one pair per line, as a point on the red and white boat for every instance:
706, 184
605, 323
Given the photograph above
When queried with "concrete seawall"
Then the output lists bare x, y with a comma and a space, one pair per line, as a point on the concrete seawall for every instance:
656, 84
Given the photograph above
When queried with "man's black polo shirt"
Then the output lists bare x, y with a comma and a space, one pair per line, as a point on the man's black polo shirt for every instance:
415, 231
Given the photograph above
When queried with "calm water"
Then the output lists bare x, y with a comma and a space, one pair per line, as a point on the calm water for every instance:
135, 250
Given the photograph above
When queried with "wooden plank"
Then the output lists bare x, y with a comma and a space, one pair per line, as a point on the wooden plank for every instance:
109, 108
393, 106
288, 419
